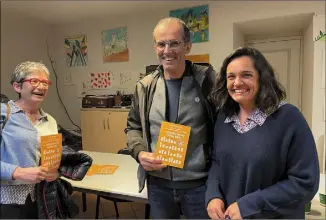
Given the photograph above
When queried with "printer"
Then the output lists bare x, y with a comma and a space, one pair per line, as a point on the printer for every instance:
103, 101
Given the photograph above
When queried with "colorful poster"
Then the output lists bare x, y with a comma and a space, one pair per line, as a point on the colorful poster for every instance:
200, 58
51, 150
197, 20
101, 169
115, 48
172, 144
76, 51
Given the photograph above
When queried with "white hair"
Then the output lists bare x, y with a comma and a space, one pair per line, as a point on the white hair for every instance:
22, 70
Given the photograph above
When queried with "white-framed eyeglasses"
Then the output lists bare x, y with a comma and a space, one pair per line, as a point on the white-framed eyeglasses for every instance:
173, 44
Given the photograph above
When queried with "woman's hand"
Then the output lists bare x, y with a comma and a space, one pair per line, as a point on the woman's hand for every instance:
233, 211
30, 174
215, 209
52, 175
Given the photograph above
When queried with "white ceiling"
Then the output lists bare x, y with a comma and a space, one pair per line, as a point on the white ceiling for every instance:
276, 26
64, 12
59, 12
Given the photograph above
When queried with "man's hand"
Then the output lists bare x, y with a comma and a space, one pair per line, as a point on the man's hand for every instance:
233, 211
149, 162
30, 174
215, 209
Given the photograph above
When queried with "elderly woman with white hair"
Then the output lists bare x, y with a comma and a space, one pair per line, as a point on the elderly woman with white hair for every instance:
23, 122
20, 151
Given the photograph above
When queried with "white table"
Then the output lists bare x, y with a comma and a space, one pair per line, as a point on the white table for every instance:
122, 184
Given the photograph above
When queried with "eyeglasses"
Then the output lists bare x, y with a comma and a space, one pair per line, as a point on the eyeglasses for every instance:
173, 44
36, 82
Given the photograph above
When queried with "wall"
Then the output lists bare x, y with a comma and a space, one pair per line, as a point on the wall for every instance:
307, 72
141, 53
24, 39
238, 37
223, 15
318, 109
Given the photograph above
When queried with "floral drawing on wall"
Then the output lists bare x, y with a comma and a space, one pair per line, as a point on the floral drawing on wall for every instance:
76, 51
115, 48
197, 20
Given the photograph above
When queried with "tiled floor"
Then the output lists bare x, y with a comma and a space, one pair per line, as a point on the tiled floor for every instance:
127, 210
132, 210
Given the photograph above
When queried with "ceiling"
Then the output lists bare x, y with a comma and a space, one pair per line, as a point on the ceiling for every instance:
60, 12
276, 26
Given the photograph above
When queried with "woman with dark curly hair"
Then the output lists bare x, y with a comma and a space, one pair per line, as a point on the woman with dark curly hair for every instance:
265, 162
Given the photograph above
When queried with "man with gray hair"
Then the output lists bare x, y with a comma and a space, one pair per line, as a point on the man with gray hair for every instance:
176, 92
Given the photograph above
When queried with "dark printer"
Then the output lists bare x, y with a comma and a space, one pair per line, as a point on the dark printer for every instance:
103, 101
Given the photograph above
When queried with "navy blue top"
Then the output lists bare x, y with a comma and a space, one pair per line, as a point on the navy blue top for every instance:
173, 87
271, 171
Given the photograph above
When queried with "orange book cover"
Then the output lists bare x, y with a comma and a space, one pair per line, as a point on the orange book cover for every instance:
172, 144
101, 169
51, 150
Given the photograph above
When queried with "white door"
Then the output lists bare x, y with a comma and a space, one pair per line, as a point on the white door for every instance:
284, 56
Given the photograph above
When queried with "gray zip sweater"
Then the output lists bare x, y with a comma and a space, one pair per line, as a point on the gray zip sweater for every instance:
144, 121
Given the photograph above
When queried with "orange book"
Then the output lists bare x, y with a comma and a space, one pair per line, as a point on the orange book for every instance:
101, 169
51, 150
172, 144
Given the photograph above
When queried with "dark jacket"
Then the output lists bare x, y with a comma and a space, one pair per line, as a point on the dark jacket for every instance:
54, 198
138, 131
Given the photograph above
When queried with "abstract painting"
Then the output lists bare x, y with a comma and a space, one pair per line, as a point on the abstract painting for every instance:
115, 47
76, 51
197, 20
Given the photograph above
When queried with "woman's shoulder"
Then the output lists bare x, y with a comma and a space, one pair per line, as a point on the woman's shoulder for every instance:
290, 113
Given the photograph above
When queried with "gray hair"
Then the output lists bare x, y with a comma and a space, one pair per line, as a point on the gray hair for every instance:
22, 70
185, 29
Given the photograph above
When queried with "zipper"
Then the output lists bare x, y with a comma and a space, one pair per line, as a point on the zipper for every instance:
59, 211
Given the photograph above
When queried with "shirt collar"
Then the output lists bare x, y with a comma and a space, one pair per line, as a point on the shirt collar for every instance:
14, 108
258, 117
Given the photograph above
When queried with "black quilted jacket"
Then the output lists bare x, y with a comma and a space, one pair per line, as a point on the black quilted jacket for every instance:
54, 198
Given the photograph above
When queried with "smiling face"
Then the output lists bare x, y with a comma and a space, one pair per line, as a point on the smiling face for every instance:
170, 47
242, 81
30, 93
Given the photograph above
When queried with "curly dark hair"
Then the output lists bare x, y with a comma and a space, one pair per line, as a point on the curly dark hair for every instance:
270, 92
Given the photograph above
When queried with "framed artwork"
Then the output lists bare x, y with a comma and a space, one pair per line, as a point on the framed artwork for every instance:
115, 47
76, 51
197, 20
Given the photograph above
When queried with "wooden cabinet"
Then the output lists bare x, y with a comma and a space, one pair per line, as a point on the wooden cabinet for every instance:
103, 129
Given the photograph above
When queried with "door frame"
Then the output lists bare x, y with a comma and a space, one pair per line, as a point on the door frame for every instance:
279, 39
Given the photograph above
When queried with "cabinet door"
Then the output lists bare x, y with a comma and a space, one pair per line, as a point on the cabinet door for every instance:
117, 122
94, 130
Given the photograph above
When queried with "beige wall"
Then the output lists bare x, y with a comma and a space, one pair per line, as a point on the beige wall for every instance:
307, 72
238, 37
318, 110
224, 37
24, 39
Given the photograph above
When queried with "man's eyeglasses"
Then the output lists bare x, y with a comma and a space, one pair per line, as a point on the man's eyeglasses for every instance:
173, 44
36, 82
